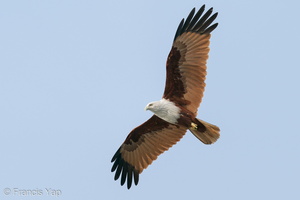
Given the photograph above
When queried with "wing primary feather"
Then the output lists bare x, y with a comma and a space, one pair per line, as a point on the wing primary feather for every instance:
129, 177
203, 19
188, 20
178, 32
208, 22
116, 159
119, 169
136, 177
116, 155
196, 17
124, 173
211, 28
124, 169
115, 165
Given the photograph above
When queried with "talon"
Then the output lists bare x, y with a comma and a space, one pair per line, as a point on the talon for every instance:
194, 126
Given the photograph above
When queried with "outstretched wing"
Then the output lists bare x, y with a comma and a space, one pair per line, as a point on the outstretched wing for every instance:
142, 146
186, 63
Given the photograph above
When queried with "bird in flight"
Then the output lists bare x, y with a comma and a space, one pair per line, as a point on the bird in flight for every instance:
176, 112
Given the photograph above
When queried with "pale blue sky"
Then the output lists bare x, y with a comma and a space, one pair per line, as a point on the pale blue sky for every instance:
75, 77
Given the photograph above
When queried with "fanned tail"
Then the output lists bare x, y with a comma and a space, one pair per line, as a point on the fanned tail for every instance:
205, 132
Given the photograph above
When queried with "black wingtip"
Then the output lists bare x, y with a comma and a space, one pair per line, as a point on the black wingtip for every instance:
124, 170
115, 155
197, 23
188, 20
211, 28
178, 32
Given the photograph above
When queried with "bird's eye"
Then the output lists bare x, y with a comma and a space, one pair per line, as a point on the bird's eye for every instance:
150, 104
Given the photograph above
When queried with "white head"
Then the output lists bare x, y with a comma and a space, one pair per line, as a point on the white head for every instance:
164, 109
153, 106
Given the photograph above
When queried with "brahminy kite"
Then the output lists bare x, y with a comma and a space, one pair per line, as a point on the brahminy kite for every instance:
177, 110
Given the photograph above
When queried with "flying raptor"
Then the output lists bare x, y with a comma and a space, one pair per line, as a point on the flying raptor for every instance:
176, 112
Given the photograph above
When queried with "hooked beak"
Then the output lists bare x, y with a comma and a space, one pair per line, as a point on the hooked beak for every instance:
146, 108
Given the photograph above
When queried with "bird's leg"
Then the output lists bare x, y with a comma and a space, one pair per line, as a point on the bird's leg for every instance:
194, 126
